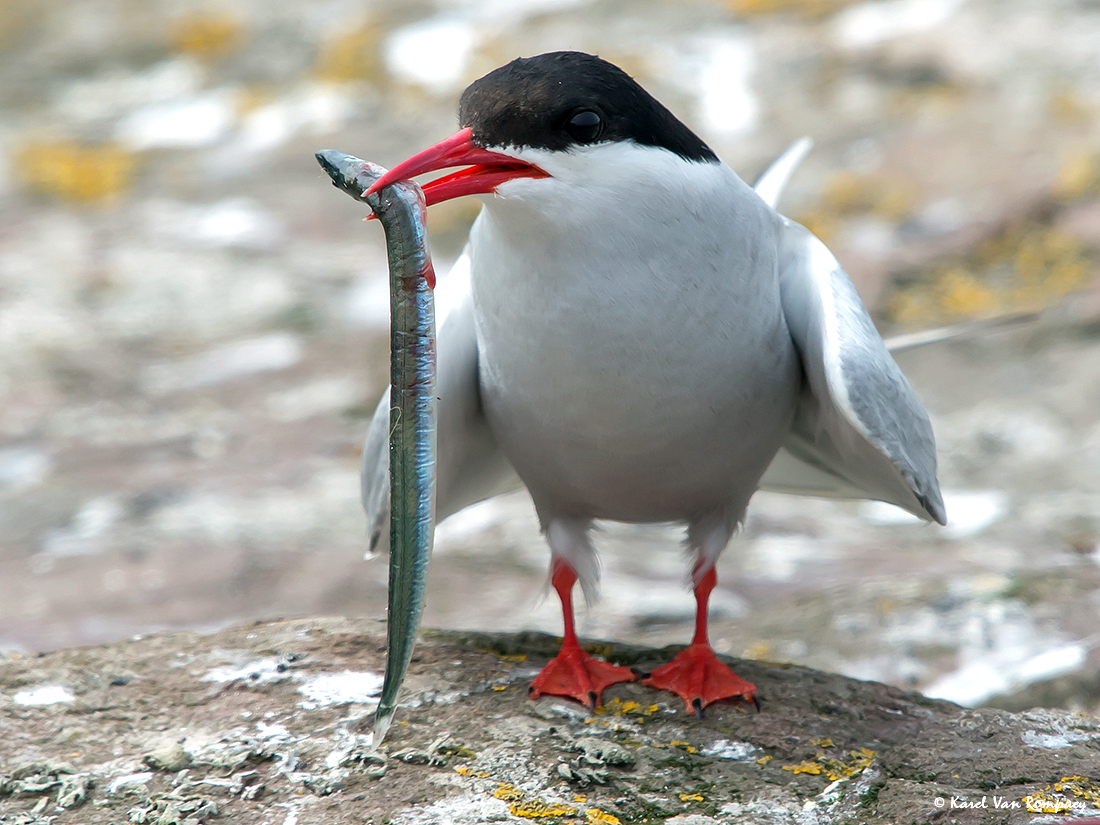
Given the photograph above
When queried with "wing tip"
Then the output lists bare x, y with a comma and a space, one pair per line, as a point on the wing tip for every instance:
773, 181
933, 506
377, 537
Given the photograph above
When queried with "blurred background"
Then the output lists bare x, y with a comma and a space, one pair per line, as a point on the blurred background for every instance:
193, 322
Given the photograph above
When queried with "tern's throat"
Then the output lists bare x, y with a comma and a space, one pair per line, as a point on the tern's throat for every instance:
608, 187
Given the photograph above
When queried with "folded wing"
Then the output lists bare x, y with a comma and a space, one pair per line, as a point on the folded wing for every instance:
859, 430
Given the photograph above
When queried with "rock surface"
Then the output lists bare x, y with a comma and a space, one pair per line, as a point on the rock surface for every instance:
192, 321
269, 723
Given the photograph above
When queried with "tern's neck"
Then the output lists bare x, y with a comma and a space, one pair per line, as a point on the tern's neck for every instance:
639, 221
610, 187
617, 206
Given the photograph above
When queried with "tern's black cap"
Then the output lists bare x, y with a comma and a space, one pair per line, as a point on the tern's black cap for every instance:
564, 99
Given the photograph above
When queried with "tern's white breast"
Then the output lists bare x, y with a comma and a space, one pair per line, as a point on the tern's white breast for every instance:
634, 359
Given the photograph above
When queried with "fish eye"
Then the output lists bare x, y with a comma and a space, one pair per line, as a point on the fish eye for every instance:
584, 125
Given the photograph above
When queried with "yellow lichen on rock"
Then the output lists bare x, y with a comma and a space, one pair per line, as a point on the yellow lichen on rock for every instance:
889, 197
537, 809
1067, 106
1026, 267
353, 55
595, 815
521, 805
207, 35
804, 767
1079, 787
1079, 175
617, 707
680, 744
849, 194
855, 763
959, 293
1069, 794
508, 792
78, 172
462, 770
1042, 802
806, 8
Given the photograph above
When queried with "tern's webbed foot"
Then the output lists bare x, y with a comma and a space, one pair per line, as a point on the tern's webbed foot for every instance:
697, 677
575, 674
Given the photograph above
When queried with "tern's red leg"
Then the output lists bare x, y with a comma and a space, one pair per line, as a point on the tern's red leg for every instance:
573, 672
696, 675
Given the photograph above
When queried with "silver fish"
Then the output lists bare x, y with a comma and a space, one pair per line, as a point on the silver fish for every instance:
412, 444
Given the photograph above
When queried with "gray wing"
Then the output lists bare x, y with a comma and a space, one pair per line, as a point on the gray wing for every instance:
470, 464
859, 430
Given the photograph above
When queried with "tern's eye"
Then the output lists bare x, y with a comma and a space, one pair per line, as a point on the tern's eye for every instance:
584, 125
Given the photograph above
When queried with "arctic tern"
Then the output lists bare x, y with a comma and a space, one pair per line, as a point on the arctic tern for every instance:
635, 334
